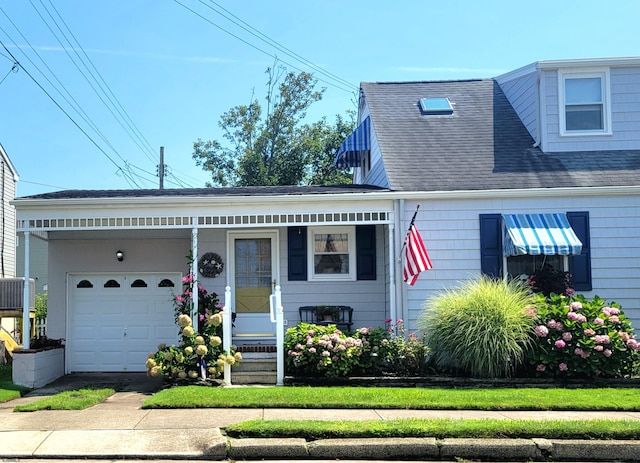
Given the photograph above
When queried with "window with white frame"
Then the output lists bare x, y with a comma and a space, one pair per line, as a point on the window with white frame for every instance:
332, 252
584, 102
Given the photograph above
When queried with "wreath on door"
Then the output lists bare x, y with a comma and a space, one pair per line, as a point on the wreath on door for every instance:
210, 265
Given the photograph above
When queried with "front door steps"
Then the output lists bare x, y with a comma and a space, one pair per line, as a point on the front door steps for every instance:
258, 365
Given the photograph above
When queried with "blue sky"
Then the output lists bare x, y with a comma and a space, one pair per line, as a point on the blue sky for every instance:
170, 68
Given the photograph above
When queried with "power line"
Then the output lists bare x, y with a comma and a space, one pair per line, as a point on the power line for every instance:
113, 99
75, 105
13, 69
67, 114
351, 90
261, 36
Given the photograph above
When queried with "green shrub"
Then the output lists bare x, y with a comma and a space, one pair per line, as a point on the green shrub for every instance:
404, 355
314, 350
575, 336
482, 328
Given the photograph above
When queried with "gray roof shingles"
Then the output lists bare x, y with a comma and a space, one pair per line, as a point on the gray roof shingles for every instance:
219, 192
482, 145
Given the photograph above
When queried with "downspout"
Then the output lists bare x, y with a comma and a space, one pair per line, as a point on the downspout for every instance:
538, 109
26, 302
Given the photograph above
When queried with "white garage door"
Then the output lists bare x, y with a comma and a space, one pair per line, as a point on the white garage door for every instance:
115, 321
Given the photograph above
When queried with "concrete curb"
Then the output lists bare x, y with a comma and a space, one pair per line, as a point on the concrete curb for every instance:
210, 444
430, 448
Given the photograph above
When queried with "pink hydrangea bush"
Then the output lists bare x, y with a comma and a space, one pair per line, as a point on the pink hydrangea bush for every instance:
577, 337
314, 350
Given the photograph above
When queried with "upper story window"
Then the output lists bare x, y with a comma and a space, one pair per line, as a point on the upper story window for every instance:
584, 102
332, 252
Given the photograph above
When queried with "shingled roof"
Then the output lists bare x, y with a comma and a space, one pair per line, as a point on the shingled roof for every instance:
211, 192
482, 145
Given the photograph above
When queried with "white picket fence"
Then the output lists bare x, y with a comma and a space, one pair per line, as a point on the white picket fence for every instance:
41, 327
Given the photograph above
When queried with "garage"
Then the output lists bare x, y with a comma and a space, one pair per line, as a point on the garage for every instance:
115, 320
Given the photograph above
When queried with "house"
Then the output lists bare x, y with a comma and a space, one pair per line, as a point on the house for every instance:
555, 140
554, 137
9, 324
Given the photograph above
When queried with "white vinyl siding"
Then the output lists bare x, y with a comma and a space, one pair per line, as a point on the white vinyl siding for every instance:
624, 85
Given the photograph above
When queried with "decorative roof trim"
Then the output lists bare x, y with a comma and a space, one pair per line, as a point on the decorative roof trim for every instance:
203, 221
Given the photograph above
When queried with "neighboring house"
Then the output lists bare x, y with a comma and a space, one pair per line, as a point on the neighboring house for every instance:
8, 180
516, 144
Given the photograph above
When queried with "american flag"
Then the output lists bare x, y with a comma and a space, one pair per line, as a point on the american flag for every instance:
416, 259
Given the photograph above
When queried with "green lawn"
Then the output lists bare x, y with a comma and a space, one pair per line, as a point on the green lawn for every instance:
622, 399
442, 428
68, 400
8, 390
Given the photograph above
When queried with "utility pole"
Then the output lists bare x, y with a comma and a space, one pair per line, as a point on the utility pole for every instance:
161, 168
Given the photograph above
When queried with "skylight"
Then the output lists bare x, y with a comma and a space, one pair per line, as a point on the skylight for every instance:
436, 106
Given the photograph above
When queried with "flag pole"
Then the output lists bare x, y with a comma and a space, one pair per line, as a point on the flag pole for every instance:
413, 219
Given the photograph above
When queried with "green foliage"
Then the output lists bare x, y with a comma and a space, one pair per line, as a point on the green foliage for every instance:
321, 351
483, 327
575, 336
200, 354
8, 390
439, 428
314, 350
410, 398
41, 306
68, 400
405, 355
269, 144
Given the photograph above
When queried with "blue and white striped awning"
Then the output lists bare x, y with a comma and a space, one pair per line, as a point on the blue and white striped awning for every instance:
355, 144
537, 234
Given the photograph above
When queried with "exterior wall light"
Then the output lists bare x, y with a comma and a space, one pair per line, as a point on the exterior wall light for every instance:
120, 255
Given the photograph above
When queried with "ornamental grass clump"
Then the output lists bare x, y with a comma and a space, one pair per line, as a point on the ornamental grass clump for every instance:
482, 328
578, 337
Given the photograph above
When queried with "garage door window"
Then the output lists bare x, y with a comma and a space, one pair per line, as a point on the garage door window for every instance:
139, 284
84, 284
112, 284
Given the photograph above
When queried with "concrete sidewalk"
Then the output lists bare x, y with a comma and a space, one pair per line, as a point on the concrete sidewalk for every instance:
120, 428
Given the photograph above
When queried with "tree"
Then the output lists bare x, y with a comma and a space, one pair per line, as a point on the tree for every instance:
276, 148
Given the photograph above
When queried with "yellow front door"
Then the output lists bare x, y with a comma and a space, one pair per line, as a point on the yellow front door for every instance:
255, 274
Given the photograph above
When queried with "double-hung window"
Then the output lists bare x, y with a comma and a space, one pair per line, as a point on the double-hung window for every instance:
584, 102
332, 251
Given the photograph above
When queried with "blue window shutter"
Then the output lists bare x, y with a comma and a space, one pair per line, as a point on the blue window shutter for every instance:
580, 265
297, 253
366, 252
491, 244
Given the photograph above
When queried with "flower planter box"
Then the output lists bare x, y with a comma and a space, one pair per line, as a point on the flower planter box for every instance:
35, 368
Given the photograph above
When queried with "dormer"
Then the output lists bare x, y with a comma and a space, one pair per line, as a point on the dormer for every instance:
578, 105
